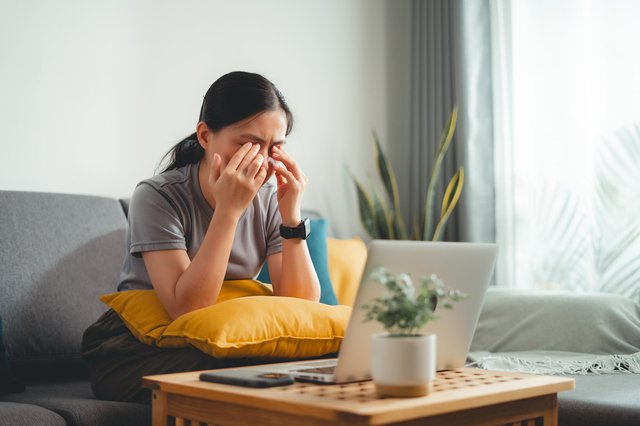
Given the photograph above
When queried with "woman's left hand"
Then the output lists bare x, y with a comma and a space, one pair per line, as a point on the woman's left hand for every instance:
291, 185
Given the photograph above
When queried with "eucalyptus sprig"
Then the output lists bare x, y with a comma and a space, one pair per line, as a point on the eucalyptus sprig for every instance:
401, 311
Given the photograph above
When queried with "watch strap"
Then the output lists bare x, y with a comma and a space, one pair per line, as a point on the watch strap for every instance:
303, 230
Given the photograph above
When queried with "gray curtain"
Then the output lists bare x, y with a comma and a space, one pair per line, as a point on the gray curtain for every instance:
451, 65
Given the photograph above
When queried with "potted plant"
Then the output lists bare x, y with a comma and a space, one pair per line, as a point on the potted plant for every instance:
385, 223
403, 359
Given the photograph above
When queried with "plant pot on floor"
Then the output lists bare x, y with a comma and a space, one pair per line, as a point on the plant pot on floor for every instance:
403, 366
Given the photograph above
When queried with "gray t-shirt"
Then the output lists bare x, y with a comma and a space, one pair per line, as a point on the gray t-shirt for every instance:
169, 211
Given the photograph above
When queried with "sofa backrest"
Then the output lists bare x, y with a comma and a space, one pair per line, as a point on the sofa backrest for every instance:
58, 253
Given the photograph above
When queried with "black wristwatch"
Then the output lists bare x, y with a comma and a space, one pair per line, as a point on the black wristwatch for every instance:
301, 231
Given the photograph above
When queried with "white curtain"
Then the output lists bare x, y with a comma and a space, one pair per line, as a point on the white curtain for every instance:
567, 149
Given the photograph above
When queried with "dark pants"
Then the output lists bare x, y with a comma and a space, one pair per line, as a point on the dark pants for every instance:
117, 360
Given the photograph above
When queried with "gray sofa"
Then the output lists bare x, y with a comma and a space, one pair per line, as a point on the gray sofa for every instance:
594, 334
58, 253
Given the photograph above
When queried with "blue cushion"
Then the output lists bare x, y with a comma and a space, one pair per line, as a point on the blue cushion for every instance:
8, 383
317, 243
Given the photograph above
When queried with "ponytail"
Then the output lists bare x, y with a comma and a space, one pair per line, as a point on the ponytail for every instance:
187, 151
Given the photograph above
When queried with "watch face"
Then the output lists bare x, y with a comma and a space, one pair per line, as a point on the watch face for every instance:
307, 228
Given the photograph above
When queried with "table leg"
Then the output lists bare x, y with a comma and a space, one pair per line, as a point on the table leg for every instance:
159, 408
551, 416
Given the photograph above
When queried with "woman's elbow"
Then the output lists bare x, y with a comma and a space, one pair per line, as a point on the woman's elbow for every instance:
312, 294
183, 310
183, 307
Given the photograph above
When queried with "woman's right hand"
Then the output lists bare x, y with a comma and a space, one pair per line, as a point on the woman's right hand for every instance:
235, 185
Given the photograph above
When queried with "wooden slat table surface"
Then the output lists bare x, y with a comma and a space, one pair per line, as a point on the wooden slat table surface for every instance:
479, 396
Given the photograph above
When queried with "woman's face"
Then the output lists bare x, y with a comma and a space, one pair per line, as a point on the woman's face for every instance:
266, 129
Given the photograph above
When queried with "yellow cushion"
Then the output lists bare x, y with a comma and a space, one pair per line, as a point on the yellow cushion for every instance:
237, 326
346, 259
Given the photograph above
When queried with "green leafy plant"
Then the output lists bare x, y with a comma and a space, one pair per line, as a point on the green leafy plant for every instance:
381, 221
401, 311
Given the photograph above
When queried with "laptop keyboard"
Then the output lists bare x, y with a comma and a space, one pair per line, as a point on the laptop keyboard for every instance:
318, 370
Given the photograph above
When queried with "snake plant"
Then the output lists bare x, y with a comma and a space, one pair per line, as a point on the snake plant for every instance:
382, 220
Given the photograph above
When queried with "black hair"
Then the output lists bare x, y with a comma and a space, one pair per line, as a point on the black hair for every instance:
230, 99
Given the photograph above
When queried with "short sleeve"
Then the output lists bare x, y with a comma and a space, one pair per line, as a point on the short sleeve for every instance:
155, 222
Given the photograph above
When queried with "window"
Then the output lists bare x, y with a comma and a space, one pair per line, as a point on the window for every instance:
567, 96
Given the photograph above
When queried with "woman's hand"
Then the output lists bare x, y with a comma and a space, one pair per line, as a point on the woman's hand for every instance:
292, 271
238, 183
291, 185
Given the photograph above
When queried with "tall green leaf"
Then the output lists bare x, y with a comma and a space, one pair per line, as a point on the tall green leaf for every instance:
366, 209
381, 221
456, 182
445, 140
388, 179
416, 234
398, 226
382, 217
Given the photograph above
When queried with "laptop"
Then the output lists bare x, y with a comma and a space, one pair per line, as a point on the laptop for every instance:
463, 266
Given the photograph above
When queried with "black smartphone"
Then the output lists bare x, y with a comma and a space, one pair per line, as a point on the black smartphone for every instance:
252, 379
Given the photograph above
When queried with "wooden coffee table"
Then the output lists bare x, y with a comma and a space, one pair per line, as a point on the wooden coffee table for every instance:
464, 396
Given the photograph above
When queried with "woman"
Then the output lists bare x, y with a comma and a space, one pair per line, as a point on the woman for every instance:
211, 215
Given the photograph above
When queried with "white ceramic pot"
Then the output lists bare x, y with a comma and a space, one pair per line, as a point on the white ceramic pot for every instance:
403, 366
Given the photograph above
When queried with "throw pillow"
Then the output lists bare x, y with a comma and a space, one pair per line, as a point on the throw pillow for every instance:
261, 327
145, 315
237, 326
346, 260
8, 383
317, 244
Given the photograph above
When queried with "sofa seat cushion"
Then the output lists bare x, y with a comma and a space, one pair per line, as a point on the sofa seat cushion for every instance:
16, 414
74, 402
601, 400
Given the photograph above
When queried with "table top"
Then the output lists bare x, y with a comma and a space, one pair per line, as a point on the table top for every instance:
453, 390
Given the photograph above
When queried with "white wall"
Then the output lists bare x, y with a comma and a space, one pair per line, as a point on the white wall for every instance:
93, 93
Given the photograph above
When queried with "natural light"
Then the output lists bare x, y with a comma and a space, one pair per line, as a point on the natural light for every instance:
568, 148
